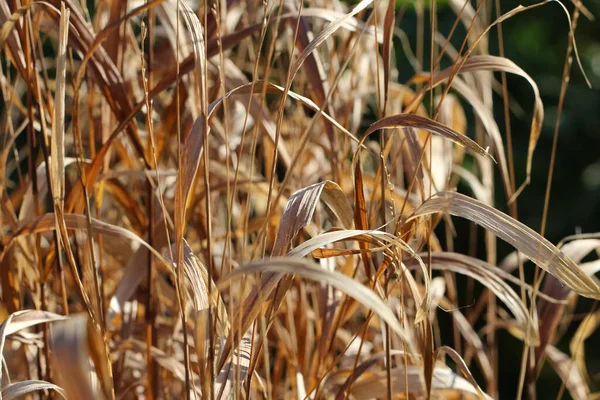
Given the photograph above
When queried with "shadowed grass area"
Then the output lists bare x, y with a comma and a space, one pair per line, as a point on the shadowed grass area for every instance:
248, 199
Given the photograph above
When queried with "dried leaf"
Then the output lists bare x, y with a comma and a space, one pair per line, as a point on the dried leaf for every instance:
23, 320
197, 37
539, 250
19, 389
419, 122
586, 329
297, 214
445, 384
551, 314
46, 223
352, 24
354, 289
566, 369
188, 167
460, 363
333, 196
314, 70
7, 36
492, 278
493, 63
325, 33
197, 277
227, 381
486, 117
57, 149
9, 23
385, 238
301, 206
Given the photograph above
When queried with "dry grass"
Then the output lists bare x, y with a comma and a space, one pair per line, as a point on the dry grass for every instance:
192, 205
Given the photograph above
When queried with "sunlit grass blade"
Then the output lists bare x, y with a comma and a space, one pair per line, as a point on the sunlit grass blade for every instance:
539, 250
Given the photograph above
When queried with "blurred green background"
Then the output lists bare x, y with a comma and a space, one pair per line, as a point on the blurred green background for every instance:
536, 40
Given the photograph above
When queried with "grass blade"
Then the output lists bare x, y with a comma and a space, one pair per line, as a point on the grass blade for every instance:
539, 250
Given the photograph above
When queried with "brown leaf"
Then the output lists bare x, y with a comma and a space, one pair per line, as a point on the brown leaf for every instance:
445, 384
19, 389
314, 70
419, 122
324, 35
297, 214
389, 22
46, 223
551, 314
492, 278
493, 63
309, 270
57, 149
226, 381
586, 329
300, 208
360, 215
539, 250
23, 320
566, 369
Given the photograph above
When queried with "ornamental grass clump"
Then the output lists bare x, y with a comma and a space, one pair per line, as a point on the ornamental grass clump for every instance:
242, 199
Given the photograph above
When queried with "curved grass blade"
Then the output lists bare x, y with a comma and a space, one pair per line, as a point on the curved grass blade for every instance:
494, 63
19, 389
446, 384
419, 122
309, 270
9, 23
326, 33
567, 370
297, 214
46, 223
491, 277
586, 329
535, 247
460, 363
21, 320
301, 206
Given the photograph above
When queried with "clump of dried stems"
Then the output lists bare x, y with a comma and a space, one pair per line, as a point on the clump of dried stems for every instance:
238, 199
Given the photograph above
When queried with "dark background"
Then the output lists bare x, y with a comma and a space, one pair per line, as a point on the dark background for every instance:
536, 40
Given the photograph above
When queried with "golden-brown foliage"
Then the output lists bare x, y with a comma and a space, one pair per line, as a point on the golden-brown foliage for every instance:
192, 206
